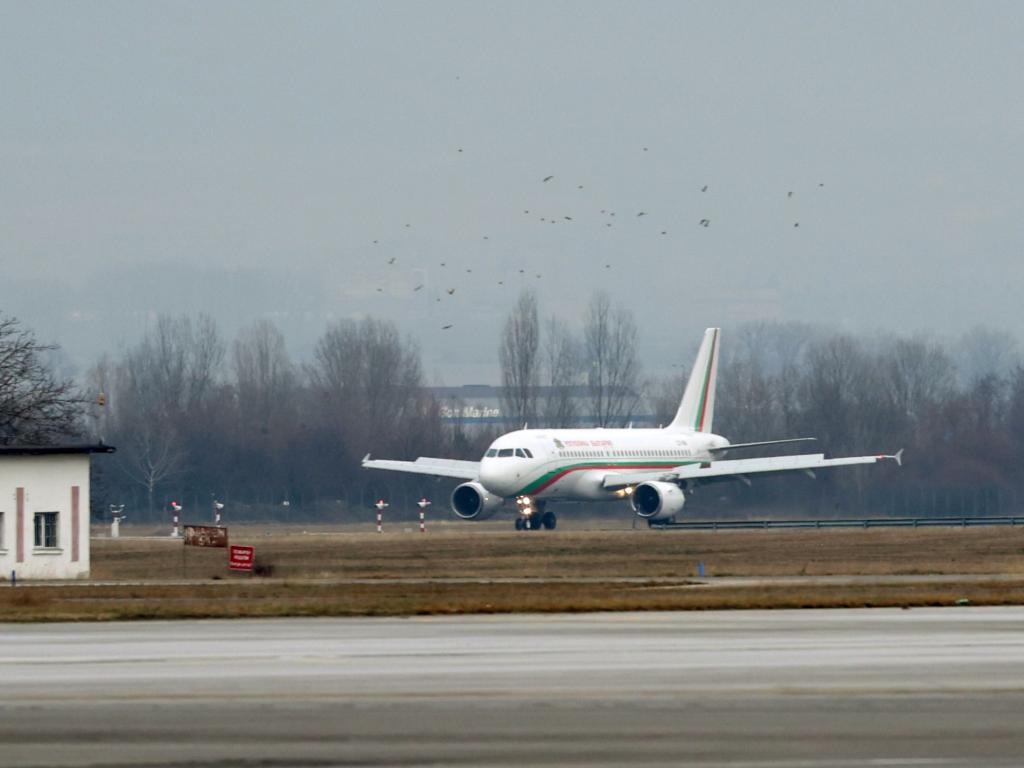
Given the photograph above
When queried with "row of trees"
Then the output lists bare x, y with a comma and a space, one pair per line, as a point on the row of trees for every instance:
194, 416
541, 377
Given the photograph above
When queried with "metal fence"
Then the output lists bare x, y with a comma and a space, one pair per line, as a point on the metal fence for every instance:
866, 522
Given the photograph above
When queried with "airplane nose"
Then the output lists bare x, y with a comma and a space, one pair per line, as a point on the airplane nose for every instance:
491, 478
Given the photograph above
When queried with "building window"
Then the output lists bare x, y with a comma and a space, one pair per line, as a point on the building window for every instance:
46, 530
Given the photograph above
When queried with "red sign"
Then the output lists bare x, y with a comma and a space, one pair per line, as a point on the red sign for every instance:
241, 558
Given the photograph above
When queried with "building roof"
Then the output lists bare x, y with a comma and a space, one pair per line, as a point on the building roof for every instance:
49, 450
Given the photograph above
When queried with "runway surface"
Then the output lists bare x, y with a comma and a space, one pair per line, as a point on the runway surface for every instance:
782, 688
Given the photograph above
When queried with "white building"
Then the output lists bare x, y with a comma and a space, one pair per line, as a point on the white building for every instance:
44, 511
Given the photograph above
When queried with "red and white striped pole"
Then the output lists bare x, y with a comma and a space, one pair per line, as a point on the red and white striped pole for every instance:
380, 505
423, 504
176, 508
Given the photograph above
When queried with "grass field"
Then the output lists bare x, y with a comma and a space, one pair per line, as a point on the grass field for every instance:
310, 574
471, 551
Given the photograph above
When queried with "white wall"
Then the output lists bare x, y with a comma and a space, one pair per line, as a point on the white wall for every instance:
47, 482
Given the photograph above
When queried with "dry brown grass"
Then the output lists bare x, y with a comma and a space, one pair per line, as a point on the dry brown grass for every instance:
472, 552
234, 600
308, 571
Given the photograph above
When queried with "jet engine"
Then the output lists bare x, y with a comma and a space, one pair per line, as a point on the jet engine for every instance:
657, 501
471, 501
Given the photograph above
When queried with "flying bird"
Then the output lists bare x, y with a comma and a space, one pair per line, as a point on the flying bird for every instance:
664, 232
442, 263
704, 188
608, 224
525, 211
469, 270
375, 241
704, 222
580, 187
418, 287
548, 178
380, 290
501, 282
522, 271
538, 275
391, 260
790, 193
567, 218
796, 223
642, 213
485, 237
446, 327
460, 149
451, 291
408, 225
607, 266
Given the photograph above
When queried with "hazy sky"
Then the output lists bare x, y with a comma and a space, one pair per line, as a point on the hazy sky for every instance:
242, 158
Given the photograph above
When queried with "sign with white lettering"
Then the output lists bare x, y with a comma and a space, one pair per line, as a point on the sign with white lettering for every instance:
241, 558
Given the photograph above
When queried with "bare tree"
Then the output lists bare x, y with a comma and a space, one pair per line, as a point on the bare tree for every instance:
985, 352
172, 370
613, 372
367, 379
518, 357
159, 407
664, 395
264, 378
561, 363
917, 374
36, 406
149, 458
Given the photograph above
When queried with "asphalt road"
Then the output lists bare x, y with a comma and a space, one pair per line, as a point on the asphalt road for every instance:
779, 688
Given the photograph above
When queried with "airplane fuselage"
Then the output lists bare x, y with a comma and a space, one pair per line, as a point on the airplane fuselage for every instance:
570, 464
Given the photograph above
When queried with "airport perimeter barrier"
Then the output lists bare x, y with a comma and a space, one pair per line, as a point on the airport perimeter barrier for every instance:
867, 522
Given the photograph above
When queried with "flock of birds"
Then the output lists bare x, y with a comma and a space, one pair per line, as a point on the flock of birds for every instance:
609, 215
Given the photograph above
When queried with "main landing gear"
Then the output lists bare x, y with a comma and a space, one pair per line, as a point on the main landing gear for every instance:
533, 516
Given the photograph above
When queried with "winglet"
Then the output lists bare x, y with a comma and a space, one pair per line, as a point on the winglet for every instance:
366, 458
897, 457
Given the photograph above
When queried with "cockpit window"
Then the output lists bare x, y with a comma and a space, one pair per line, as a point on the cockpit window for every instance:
520, 454
505, 452
527, 452
491, 453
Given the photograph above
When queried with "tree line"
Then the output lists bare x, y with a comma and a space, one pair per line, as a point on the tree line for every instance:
197, 418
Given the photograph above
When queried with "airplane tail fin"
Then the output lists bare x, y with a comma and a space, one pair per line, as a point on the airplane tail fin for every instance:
698, 404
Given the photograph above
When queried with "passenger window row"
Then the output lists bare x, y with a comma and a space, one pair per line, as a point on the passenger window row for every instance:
632, 454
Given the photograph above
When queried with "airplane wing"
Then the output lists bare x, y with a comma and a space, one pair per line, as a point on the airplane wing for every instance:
740, 469
464, 470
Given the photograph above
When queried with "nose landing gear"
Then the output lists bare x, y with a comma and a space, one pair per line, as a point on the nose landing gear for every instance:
533, 516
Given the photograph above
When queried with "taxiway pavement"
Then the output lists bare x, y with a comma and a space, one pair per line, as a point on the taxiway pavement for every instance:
748, 688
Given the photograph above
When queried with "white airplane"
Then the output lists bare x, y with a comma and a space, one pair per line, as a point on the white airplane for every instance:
654, 468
